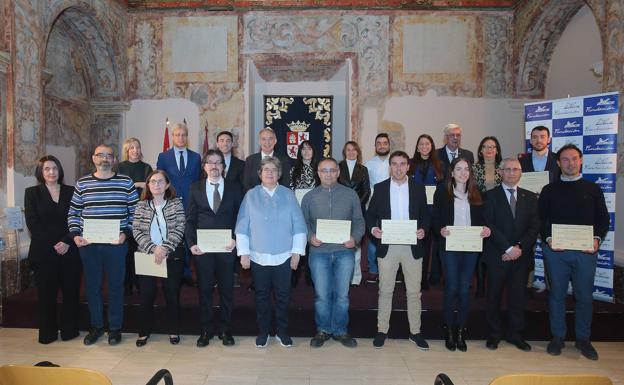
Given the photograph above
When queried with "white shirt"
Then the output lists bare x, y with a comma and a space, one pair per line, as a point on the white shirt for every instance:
351, 166
399, 200
210, 191
176, 152
228, 159
461, 209
158, 221
263, 155
450, 153
378, 169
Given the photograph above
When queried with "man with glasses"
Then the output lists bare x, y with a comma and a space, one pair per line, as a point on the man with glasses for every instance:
106, 195
213, 204
452, 149
268, 140
512, 215
183, 166
331, 264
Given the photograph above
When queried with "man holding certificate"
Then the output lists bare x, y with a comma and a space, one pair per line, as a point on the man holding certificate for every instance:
511, 212
570, 251
211, 217
399, 198
334, 207
540, 158
100, 218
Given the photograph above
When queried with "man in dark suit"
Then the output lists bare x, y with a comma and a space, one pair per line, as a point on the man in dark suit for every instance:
399, 198
512, 215
233, 166
183, 166
213, 204
268, 140
452, 149
540, 158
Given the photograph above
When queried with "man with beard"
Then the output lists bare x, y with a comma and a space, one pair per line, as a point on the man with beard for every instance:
378, 171
540, 158
103, 195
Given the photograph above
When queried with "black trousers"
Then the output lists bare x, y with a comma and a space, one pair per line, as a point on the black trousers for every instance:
171, 288
272, 281
208, 267
54, 272
131, 278
513, 276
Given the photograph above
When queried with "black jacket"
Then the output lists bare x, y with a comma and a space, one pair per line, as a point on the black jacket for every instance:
359, 181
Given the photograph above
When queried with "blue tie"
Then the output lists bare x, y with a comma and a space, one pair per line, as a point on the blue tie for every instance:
182, 165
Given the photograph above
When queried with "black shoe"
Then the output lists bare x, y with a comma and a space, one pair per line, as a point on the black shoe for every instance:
174, 340
319, 339
262, 341
372, 278
419, 340
141, 341
204, 339
284, 340
226, 338
449, 338
379, 340
554, 346
93, 335
114, 337
520, 344
188, 281
587, 350
461, 339
345, 340
492, 343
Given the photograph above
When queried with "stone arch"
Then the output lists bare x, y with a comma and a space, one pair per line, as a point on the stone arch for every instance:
536, 45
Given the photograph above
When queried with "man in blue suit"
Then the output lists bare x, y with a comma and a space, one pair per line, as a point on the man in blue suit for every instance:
183, 166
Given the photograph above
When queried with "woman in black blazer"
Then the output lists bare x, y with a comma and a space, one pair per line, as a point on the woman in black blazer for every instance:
53, 254
457, 203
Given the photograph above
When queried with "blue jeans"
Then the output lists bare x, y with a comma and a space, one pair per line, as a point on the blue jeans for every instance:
458, 268
563, 266
372, 256
96, 260
331, 273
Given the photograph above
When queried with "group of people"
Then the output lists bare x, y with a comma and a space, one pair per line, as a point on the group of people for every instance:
272, 230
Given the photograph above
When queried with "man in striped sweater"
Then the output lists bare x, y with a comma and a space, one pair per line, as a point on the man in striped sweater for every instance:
109, 196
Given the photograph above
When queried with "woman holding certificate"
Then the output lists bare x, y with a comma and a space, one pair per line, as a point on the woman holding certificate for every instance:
158, 228
271, 235
53, 254
458, 203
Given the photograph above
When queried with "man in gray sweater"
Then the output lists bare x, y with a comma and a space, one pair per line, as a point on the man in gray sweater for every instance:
331, 263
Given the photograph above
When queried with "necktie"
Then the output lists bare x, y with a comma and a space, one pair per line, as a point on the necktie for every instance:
182, 165
454, 154
216, 197
512, 201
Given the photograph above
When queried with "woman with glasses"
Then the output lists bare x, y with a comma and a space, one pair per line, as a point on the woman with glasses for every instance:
158, 228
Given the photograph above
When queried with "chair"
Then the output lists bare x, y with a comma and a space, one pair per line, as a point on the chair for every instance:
551, 379
47, 375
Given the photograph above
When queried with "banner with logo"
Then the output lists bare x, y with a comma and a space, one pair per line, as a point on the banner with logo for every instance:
591, 123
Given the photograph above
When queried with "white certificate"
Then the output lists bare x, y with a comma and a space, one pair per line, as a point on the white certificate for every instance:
144, 264
464, 238
572, 237
214, 241
430, 190
333, 230
534, 181
300, 193
101, 230
399, 232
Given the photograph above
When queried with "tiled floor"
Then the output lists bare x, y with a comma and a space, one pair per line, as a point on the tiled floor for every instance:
398, 363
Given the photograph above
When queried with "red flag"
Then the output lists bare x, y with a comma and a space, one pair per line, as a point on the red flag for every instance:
206, 147
166, 139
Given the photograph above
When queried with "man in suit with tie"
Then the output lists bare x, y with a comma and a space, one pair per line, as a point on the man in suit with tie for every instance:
233, 166
183, 166
213, 204
512, 215
540, 158
452, 149
268, 140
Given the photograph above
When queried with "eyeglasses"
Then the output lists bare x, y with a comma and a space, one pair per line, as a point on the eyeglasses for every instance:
328, 170
214, 163
103, 155
269, 170
157, 181
510, 170
454, 135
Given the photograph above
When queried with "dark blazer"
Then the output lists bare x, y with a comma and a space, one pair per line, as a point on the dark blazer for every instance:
554, 172
199, 214
47, 220
358, 181
444, 213
180, 181
235, 171
461, 153
508, 231
379, 208
252, 164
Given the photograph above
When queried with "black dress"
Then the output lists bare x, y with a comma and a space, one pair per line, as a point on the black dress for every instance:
47, 222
